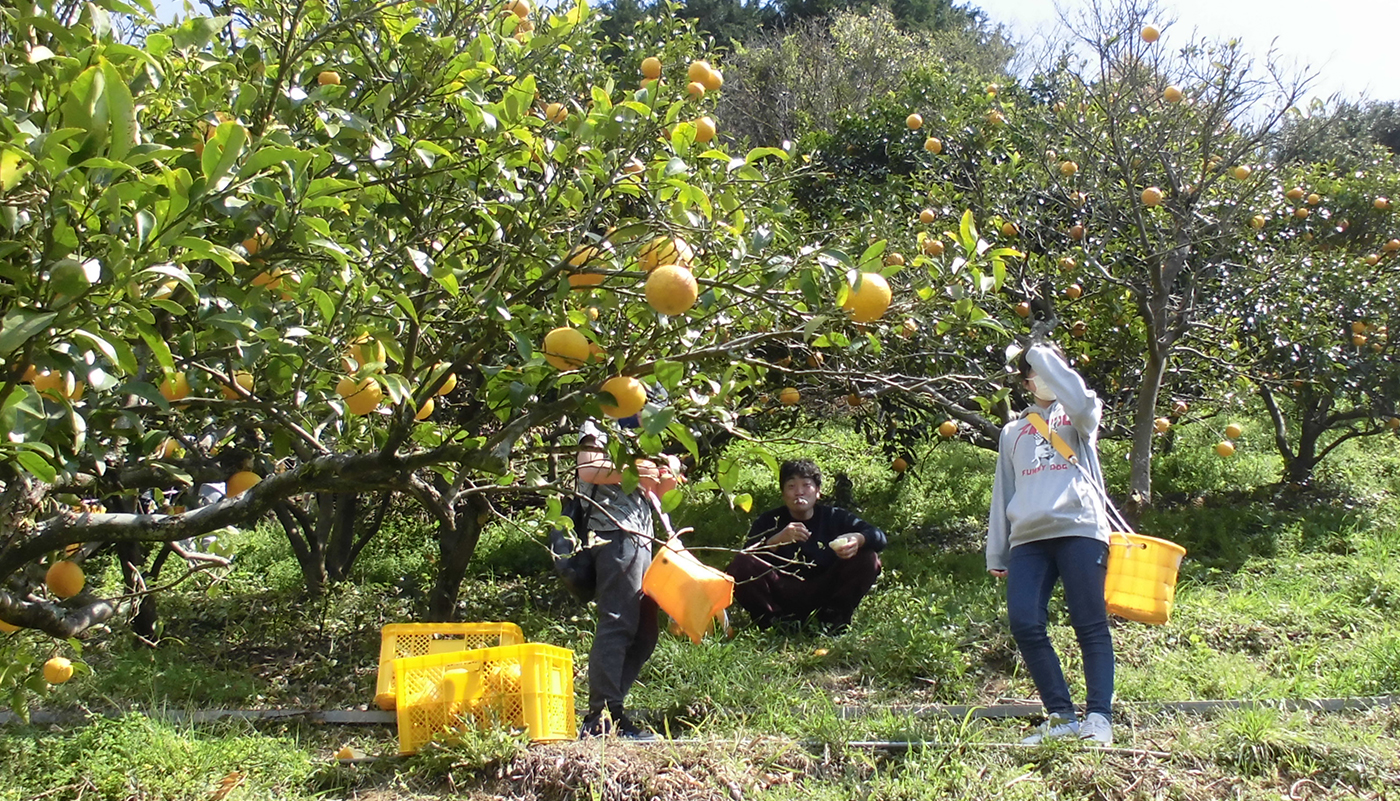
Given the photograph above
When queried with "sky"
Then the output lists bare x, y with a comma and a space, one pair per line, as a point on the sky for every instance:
1351, 44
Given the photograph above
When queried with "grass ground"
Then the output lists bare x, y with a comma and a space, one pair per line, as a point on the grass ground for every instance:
1278, 599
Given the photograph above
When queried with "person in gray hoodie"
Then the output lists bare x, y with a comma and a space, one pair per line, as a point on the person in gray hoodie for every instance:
1049, 523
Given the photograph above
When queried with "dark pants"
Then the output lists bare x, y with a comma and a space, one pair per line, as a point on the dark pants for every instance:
627, 628
770, 595
1080, 563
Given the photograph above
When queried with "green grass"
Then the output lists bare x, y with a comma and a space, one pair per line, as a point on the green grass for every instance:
1276, 599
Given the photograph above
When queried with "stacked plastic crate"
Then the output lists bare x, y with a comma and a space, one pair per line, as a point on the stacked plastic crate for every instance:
446, 677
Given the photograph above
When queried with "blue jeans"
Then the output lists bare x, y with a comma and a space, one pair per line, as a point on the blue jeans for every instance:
1080, 563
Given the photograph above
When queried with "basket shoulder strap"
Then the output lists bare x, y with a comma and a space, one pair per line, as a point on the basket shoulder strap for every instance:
1053, 437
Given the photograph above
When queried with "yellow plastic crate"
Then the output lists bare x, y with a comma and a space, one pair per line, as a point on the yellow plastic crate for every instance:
399, 640
528, 687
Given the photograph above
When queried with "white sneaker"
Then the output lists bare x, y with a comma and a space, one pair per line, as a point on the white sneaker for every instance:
1055, 728
1097, 728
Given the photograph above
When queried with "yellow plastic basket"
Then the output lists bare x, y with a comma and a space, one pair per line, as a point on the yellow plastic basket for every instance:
1141, 580
688, 590
528, 687
399, 640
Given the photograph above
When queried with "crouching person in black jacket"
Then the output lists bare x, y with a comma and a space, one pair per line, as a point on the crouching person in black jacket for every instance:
805, 561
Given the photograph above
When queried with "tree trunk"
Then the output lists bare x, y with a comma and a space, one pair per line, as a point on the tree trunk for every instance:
1299, 468
1144, 415
302, 533
342, 535
458, 534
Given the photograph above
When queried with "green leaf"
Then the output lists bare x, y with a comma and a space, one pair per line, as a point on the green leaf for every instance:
671, 500
21, 325
121, 112
872, 254
744, 501
684, 437
37, 466
967, 232
222, 151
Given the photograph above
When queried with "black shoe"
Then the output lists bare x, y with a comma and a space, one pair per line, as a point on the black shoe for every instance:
628, 730
595, 725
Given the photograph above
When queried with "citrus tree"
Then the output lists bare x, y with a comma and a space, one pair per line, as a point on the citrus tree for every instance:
306, 252
1314, 310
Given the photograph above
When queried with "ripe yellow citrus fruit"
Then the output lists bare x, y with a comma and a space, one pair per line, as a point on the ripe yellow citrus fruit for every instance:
255, 244
328, 78
671, 289
364, 350
59, 385
995, 118
1008, 229
853, 399
914, 121
1068, 168
664, 250
947, 429
1067, 264
1295, 194
789, 396
1381, 203
933, 247
386, 701
523, 27
565, 348
704, 129
1393, 424
242, 378
1225, 449
65, 579
175, 387
695, 89
894, 259
869, 298
1389, 247
933, 145
520, 8
698, 71
556, 112
927, 216
1076, 232
629, 394
345, 752
8, 628
1241, 172
360, 397
58, 670
1314, 199
1172, 94
1073, 291
713, 81
1161, 425
1358, 339
1023, 309
1257, 222
899, 465
447, 385
426, 410
270, 280
1233, 431
1301, 213
1150, 34
169, 448
1151, 196
651, 67
241, 482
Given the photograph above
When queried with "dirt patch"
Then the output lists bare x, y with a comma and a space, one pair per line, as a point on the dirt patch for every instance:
672, 770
